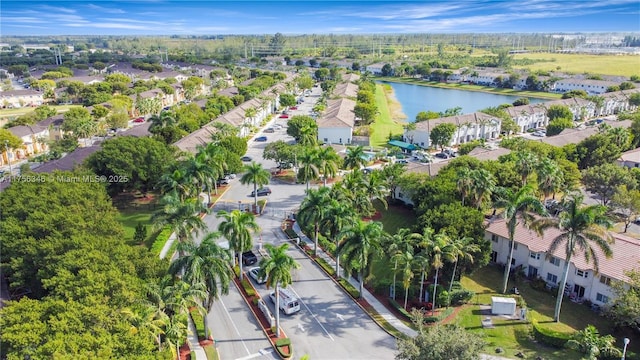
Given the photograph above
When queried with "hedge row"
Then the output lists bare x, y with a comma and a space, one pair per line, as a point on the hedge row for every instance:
325, 265
248, 288
399, 308
211, 352
198, 321
160, 240
280, 344
355, 293
550, 337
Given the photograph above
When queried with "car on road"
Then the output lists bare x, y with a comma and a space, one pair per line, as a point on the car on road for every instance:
261, 139
254, 273
249, 258
263, 191
293, 108
402, 161
246, 158
139, 120
269, 130
223, 181
442, 155
451, 153
540, 133
277, 126
284, 116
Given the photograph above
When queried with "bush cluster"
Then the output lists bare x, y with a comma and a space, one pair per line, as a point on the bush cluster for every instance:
550, 337
400, 308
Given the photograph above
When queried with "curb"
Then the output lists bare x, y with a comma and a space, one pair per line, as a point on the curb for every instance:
258, 320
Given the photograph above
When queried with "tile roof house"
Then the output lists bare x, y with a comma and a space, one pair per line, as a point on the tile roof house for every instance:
592, 87
531, 253
68, 162
528, 116
576, 135
469, 127
630, 159
34, 140
335, 126
21, 98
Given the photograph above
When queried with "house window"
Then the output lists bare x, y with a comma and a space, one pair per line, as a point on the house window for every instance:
584, 274
605, 280
326, 140
552, 278
515, 246
534, 255
555, 261
602, 298
494, 237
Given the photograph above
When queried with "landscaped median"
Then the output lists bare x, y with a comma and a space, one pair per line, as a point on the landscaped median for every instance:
281, 344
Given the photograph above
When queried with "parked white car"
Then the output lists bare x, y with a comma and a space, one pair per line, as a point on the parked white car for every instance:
540, 133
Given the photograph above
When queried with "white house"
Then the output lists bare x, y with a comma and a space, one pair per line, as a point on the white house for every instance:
592, 87
630, 159
580, 108
583, 282
21, 98
336, 124
469, 127
528, 116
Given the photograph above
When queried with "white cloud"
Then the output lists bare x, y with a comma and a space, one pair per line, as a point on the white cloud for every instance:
105, 10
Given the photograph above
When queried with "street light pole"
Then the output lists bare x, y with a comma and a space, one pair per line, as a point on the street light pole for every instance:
624, 350
6, 145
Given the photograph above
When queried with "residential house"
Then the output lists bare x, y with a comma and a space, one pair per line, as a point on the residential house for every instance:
576, 135
528, 117
469, 127
335, 126
34, 139
21, 98
54, 126
583, 283
375, 69
486, 78
630, 159
68, 162
592, 87
580, 108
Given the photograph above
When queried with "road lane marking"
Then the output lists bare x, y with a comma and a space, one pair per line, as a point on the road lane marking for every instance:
234, 326
261, 352
340, 317
312, 314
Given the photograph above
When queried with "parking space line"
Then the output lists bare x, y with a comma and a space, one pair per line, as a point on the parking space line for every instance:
312, 314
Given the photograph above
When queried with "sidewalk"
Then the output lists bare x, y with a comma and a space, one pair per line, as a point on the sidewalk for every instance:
197, 352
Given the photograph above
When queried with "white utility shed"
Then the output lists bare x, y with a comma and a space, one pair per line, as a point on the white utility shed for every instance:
503, 306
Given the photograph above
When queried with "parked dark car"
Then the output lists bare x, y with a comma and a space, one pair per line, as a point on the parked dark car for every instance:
261, 138
246, 158
264, 191
249, 258
442, 155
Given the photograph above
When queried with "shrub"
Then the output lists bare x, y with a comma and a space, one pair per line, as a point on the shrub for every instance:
160, 240
290, 233
399, 308
461, 296
550, 337
443, 298
198, 321
281, 344
211, 352
355, 293
325, 265
248, 288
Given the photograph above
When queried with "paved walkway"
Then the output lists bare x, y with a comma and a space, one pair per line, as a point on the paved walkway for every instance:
197, 352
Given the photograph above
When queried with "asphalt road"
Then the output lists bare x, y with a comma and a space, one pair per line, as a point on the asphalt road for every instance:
330, 325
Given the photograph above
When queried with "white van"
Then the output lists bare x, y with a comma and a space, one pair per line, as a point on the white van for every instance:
289, 303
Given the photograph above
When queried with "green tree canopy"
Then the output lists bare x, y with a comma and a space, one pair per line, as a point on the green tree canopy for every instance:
442, 134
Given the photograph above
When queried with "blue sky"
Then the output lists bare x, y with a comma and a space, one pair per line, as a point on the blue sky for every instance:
158, 17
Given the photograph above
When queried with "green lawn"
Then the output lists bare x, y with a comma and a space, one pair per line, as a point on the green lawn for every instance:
513, 336
384, 123
582, 63
130, 217
12, 113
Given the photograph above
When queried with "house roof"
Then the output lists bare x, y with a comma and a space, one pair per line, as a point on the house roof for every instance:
402, 145
68, 162
458, 120
631, 156
339, 113
626, 250
576, 135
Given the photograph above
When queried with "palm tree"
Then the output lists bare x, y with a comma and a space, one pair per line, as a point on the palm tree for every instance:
276, 268
402, 241
406, 261
376, 187
526, 163
483, 185
308, 136
550, 176
518, 206
579, 227
461, 248
214, 157
178, 182
206, 264
355, 158
309, 169
165, 119
258, 176
182, 216
250, 113
327, 160
338, 215
197, 168
312, 210
147, 321
360, 242
464, 183
237, 228
175, 333
436, 246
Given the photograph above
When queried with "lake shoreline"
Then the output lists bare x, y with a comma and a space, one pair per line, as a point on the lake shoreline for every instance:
395, 107
467, 87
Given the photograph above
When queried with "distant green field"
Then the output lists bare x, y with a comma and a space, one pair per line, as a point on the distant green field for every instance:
621, 65
12, 113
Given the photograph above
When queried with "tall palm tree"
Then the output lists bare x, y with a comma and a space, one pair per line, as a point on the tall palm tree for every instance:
258, 176
436, 246
376, 187
250, 113
214, 157
179, 182
147, 322
518, 206
355, 158
360, 242
237, 227
464, 183
483, 186
313, 209
165, 119
402, 241
308, 136
526, 163
309, 169
197, 168
182, 216
276, 268
175, 333
550, 176
461, 248
338, 215
327, 160
405, 260
579, 227
207, 264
